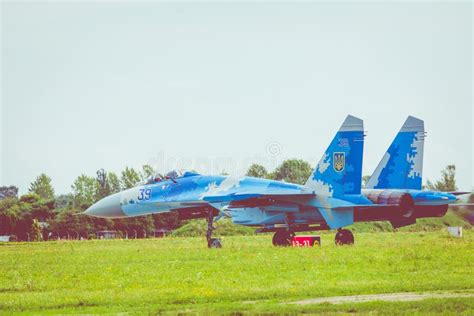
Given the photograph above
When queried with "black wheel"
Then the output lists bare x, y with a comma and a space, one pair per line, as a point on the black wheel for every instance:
344, 237
282, 238
214, 243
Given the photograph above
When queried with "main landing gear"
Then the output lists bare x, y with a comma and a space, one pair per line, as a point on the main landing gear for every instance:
344, 237
211, 242
282, 238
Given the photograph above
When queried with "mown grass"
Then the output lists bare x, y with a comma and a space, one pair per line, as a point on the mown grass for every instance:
247, 275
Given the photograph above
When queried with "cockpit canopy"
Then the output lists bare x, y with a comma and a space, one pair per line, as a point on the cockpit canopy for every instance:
157, 177
174, 174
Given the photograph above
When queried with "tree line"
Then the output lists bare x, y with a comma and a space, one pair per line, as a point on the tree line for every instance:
40, 214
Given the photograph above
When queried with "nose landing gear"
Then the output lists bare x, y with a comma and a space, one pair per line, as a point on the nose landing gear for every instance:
211, 242
344, 237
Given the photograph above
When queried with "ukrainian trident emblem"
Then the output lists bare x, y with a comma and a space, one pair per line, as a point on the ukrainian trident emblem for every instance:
339, 161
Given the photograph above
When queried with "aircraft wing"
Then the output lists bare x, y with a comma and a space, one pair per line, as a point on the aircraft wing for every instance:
336, 214
219, 203
247, 195
248, 199
272, 200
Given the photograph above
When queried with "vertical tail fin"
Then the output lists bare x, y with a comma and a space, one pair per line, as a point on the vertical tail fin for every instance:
339, 171
402, 165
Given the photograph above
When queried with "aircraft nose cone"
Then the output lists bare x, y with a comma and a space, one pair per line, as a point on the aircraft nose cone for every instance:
108, 207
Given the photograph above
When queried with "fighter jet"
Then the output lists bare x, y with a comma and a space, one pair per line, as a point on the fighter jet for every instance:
330, 199
326, 201
398, 180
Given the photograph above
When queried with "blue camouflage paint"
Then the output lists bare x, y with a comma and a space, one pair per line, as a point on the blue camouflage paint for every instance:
335, 183
199, 189
336, 180
340, 169
423, 198
401, 166
400, 170
329, 196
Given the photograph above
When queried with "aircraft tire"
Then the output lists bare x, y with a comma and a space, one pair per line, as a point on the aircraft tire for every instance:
282, 238
344, 237
215, 243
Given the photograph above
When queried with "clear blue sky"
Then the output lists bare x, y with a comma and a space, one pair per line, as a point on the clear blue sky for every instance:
216, 87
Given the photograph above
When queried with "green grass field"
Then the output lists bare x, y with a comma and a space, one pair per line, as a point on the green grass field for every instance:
247, 275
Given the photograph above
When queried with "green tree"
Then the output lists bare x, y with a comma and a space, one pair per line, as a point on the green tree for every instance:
365, 179
129, 178
447, 183
109, 183
69, 224
113, 182
17, 216
64, 201
9, 215
42, 186
147, 171
104, 189
257, 171
293, 171
38, 208
10, 191
470, 209
166, 220
140, 226
36, 233
86, 191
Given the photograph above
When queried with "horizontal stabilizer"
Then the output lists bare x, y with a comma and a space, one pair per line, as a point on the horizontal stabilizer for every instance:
366, 206
459, 193
337, 218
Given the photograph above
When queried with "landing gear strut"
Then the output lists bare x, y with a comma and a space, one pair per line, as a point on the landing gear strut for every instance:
344, 237
211, 242
282, 238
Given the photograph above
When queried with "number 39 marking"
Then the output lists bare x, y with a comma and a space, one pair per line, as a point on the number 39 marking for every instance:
144, 194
